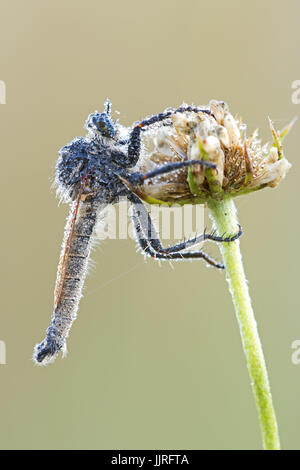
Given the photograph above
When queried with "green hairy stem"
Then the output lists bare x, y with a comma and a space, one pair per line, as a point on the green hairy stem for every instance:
225, 218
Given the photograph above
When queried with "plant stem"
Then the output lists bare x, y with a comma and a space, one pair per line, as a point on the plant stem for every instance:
224, 216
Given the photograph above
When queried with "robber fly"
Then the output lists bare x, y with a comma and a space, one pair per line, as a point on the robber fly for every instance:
94, 171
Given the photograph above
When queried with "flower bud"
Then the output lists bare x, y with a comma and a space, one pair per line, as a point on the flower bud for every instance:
243, 164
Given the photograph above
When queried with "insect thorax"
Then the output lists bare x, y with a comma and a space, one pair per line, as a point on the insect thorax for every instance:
91, 165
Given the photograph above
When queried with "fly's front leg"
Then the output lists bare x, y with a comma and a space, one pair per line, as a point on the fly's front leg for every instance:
134, 146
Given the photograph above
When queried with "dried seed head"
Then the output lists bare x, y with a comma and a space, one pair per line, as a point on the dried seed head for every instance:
243, 163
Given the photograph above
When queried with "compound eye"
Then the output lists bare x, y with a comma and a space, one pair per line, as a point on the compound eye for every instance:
102, 123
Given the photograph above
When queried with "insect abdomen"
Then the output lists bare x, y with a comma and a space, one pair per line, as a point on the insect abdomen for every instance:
71, 274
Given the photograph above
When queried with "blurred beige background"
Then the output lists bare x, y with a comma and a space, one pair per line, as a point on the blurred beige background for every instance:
153, 363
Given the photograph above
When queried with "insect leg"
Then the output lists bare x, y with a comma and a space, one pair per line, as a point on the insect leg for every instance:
134, 146
139, 178
150, 244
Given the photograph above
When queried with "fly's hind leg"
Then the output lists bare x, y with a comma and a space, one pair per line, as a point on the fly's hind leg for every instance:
150, 243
